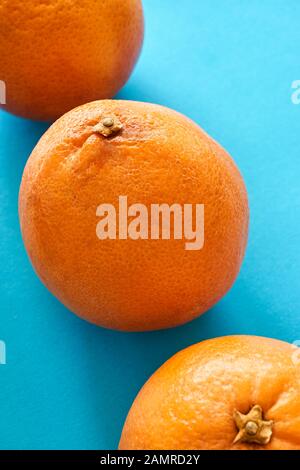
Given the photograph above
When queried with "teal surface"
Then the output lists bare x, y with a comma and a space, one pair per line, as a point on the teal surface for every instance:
229, 65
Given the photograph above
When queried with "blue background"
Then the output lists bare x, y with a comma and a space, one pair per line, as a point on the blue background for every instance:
229, 65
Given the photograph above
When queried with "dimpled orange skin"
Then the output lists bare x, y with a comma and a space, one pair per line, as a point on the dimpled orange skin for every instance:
58, 54
159, 157
190, 401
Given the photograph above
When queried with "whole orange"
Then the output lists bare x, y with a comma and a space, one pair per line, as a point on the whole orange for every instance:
58, 54
151, 155
238, 392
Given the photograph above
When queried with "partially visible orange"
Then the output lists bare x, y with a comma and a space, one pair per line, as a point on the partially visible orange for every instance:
58, 54
159, 156
230, 393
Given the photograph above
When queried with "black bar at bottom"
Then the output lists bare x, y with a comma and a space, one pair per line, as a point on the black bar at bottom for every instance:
131, 459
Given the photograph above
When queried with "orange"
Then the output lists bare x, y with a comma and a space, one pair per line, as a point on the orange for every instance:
239, 392
58, 54
151, 155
